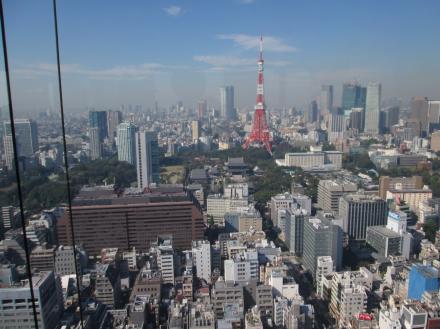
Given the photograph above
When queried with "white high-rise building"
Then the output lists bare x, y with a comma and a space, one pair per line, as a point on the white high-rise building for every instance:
227, 110
372, 108
165, 261
126, 142
201, 253
324, 267
147, 158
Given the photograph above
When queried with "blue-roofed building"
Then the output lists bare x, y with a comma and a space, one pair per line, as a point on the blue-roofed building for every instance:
422, 278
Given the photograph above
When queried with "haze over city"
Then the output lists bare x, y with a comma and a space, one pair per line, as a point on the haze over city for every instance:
170, 51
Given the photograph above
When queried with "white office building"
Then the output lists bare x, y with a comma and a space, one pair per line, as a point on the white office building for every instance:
201, 255
372, 108
126, 142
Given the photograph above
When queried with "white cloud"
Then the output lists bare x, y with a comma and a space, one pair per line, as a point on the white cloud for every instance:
271, 44
116, 72
221, 61
173, 10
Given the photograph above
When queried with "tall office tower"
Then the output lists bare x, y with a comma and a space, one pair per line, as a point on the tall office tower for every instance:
294, 230
114, 118
17, 303
419, 112
330, 191
357, 119
227, 109
353, 96
313, 113
336, 127
260, 134
201, 253
95, 145
359, 211
126, 142
98, 119
321, 238
147, 158
26, 136
390, 118
433, 116
326, 103
202, 109
195, 130
8, 147
372, 108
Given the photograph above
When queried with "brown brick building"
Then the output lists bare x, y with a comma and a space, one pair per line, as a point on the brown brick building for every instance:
104, 218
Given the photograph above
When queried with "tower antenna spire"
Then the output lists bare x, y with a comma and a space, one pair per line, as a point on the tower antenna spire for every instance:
260, 135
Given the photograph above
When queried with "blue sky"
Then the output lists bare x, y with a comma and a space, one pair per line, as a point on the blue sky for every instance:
138, 52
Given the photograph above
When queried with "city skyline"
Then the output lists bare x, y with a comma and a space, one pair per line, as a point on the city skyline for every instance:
311, 45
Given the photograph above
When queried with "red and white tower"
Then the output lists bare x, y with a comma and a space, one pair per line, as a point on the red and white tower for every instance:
260, 134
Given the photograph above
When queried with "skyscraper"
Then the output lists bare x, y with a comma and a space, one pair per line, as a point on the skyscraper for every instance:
359, 211
419, 112
326, 104
353, 96
202, 109
336, 126
312, 114
372, 107
321, 238
227, 102
98, 119
26, 135
95, 145
195, 130
126, 144
147, 158
114, 118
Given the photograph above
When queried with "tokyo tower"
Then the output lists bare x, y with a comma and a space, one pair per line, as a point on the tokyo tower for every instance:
260, 135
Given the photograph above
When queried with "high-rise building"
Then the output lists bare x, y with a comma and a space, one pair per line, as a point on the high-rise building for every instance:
294, 230
353, 96
372, 107
195, 130
435, 141
201, 254
26, 136
17, 307
321, 238
390, 118
98, 119
330, 191
433, 115
336, 126
359, 211
202, 109
419, 112
227, 109
313, 112
95, 145
114, 118
147, 159
357, 119
126, 142
326, 103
